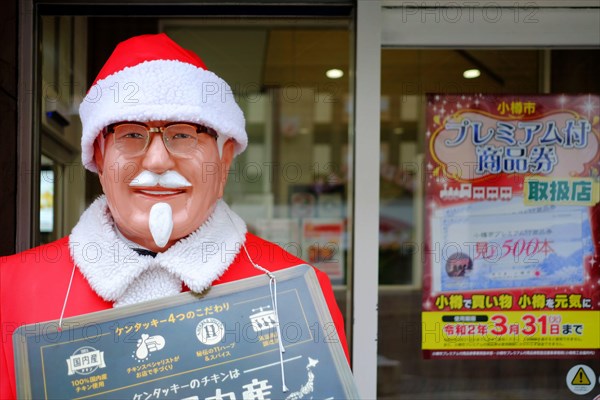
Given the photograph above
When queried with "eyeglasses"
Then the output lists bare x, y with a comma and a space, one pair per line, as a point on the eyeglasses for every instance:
133, 138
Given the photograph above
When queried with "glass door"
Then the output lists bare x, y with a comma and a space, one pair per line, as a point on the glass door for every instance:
435, 50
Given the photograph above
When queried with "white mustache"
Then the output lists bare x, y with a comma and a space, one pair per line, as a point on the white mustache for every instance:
168, 179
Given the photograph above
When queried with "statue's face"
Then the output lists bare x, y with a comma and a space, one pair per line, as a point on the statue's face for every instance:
195, 182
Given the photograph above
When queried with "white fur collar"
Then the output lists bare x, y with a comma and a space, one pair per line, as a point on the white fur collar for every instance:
119, 274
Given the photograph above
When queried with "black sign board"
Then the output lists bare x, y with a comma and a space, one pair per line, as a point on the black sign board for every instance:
222, 345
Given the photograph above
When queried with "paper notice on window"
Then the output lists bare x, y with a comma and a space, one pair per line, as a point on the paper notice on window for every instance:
488, 249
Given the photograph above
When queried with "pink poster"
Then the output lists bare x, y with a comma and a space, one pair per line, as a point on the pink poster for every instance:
512, 262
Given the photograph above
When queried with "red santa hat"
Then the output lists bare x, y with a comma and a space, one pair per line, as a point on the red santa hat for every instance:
151, 78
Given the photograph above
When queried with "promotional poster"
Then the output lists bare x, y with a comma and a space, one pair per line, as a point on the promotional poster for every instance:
512, 263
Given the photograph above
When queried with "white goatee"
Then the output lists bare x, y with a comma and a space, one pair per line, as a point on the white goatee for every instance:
161, 223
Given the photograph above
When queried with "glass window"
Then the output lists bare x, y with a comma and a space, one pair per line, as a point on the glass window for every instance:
407, 75
290, 183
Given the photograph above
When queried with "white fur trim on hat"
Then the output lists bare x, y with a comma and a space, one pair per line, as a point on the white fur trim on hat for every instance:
160, 90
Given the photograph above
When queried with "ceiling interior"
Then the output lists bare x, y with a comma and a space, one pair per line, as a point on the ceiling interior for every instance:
282, 55
273, 54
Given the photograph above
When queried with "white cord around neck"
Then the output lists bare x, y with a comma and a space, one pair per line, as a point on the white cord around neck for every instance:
273, 292
62, 313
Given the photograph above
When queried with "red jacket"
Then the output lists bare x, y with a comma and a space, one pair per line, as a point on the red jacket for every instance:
33, 285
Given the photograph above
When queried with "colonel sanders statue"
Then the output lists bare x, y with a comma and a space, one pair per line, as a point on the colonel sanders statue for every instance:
161, 227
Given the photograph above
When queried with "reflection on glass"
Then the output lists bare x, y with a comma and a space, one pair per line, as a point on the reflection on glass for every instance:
290, 183
49, 217
46, 200
406, 76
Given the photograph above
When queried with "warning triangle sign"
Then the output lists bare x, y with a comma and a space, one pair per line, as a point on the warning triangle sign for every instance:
580, 378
